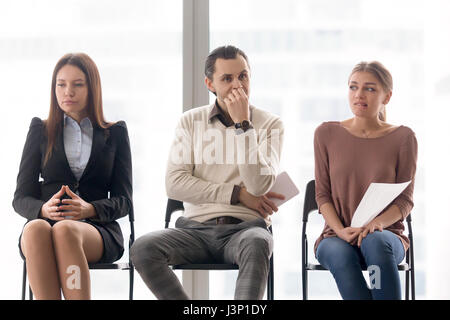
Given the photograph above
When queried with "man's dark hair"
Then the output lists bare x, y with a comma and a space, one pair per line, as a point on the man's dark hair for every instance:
224, 52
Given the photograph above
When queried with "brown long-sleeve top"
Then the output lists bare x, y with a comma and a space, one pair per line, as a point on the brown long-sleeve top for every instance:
345, 166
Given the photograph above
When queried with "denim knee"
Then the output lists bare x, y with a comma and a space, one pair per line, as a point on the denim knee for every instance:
375, 244
335, 253
381, 244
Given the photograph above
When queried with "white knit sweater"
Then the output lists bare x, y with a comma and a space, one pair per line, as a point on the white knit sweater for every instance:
207, 159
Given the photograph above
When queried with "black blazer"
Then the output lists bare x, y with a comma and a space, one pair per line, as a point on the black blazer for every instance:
108, 170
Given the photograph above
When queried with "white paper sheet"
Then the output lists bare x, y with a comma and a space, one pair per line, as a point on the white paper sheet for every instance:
376, 198
285, 186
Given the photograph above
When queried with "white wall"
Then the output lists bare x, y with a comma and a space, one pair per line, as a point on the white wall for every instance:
437, 154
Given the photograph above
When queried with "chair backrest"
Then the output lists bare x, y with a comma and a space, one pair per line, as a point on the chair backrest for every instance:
308, 206
310, 200
131, 241
172, 206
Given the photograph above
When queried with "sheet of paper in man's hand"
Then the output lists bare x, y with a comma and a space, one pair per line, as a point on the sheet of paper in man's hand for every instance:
376, 198
285, 186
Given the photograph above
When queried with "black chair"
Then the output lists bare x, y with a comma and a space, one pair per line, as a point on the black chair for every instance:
311, 205
98, 266
175, 205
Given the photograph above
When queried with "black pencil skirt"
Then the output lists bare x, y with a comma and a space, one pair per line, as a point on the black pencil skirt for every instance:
112, 251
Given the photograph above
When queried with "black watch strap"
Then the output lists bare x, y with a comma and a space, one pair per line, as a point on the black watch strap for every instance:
244, 125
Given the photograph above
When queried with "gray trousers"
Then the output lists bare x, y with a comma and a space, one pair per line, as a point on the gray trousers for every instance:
247, 244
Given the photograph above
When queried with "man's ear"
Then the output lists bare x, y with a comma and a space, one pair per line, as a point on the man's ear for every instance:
208, 83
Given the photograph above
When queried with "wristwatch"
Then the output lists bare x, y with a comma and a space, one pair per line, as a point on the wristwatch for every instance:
244, 125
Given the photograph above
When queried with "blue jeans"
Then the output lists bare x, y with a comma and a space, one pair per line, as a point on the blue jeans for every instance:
380, 251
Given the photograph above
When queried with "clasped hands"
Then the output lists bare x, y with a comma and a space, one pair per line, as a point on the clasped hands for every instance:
59, 209
354, 236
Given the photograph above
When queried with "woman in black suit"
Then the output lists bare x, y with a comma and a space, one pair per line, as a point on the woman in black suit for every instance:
70, 163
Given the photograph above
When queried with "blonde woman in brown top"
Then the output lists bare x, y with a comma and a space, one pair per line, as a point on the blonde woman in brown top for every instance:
349, 155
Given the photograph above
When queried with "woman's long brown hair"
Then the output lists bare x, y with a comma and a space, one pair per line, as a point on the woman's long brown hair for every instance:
94, 103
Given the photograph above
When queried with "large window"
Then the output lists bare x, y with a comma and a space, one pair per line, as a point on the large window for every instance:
137, 46
301, 54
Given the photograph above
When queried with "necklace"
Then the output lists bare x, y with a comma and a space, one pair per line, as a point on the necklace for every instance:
366, 135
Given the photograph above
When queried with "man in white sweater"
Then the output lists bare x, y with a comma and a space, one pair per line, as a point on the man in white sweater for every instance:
222, 164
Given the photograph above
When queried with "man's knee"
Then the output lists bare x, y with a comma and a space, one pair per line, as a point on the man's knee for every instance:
257, 242
145, 249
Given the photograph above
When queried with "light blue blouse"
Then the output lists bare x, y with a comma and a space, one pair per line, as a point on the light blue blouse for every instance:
77, 144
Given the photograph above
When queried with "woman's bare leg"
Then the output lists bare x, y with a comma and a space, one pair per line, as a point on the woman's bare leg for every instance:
76, 243
37, 247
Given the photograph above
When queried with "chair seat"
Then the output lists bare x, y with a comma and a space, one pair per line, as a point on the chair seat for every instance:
206, 266
312, 266
403, 267
315, 267
112, 266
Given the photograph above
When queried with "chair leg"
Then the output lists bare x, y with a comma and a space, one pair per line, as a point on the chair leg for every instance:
24, 280
131, 282
407, 285
270, 291
305, 285
411, 261
304, 264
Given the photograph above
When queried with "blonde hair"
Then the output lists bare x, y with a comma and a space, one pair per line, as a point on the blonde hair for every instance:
381, 73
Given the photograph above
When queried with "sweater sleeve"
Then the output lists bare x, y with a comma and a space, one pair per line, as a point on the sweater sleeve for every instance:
406, 170
259, 159
181, 184
322, 166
